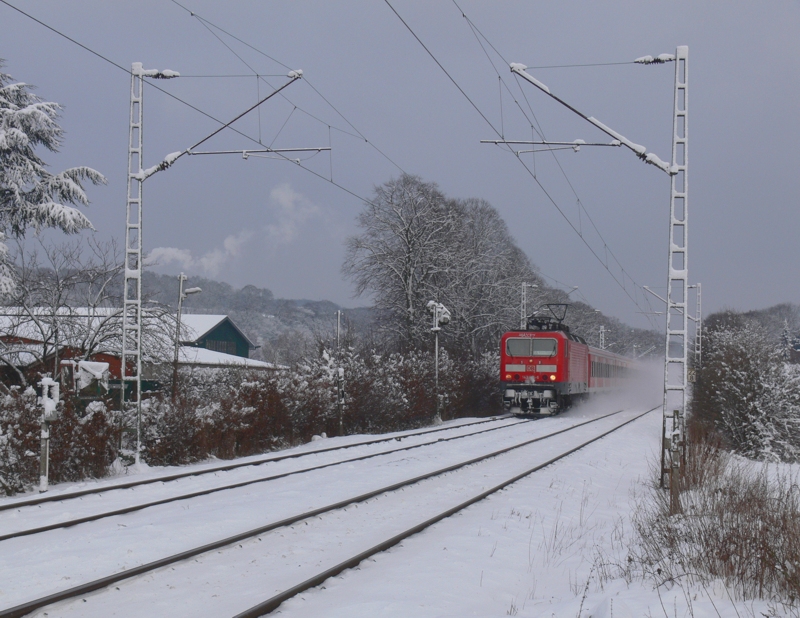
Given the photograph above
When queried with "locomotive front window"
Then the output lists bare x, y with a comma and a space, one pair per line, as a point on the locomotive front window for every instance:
531, 347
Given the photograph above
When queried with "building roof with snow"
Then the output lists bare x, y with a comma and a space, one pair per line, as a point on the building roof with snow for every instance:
202, 357
215, 332
206, 340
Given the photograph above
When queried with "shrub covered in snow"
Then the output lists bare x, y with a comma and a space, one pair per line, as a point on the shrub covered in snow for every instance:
747, 391
234, 413
19, 440
225, 414
83, 442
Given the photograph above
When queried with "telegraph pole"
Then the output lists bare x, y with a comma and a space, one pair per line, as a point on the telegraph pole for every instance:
698, 333
182, 295
523, 310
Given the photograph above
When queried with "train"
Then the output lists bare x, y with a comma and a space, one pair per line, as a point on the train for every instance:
544, 369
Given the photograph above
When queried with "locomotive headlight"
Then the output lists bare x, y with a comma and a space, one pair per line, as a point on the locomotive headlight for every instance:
508, 376
552, 378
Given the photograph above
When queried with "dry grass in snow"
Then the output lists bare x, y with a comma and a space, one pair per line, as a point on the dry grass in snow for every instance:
739, 527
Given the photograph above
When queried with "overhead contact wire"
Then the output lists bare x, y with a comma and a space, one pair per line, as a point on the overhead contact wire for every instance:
209, 24
478, 36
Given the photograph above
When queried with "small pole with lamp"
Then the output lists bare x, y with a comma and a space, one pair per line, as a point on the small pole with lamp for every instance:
50, 412
182, 295
441, 316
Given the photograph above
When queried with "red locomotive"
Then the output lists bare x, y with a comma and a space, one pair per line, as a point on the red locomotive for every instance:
545, 368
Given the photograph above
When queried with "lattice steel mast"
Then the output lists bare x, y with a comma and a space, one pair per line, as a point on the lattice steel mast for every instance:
675, 364
676, 348
132, 289
132, 292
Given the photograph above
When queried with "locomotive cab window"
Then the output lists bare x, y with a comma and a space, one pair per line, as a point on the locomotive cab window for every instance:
529, 346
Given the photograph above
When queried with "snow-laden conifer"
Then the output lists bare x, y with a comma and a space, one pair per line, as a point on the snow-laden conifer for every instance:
31, 196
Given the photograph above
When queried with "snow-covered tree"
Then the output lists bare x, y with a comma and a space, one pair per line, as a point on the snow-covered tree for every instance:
482, 281
400, 249
31, 196
416, 245
747, 391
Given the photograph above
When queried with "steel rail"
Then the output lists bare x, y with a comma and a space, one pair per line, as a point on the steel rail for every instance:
224, 467
274, 602
262, 479
25, 608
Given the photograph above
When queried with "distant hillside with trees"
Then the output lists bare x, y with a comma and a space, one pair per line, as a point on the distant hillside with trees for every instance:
414, 245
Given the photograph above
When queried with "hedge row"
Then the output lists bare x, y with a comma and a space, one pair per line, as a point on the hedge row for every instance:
233, 413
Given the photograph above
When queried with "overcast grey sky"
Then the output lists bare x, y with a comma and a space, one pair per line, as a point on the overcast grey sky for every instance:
278, 225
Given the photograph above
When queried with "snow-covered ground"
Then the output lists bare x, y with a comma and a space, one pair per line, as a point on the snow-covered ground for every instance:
534, 549
537, 548
207, 477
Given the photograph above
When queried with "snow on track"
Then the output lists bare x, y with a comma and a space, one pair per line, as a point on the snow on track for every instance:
52, 513
147, 475
526, 551
281, 558
531, 551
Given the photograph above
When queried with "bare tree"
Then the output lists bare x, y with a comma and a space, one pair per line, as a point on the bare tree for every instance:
400, 250
68, 296
41, 305
416, 245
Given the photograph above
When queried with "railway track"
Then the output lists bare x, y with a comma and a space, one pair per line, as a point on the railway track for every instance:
228, 486
272, 603
57, 497
275, 600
